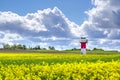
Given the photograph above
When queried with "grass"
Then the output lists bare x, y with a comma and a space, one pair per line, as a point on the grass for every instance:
53, 58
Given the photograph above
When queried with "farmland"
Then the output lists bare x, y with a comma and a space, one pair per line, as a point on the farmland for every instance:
59, 66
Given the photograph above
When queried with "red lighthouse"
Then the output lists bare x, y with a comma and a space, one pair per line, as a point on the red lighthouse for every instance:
83, 44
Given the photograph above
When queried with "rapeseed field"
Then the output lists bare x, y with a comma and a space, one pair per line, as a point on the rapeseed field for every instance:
31, 66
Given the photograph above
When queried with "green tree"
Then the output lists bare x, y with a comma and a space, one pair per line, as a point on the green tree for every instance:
6, 46
51, 48
24, 47
19, 46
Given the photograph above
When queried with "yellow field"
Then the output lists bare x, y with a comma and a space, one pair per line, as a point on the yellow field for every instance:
59, 67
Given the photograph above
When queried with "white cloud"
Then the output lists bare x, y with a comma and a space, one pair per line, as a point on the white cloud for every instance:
7, 38
52, 27
103, 24
48, 26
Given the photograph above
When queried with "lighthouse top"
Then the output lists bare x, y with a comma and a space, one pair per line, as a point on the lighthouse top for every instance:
84, 39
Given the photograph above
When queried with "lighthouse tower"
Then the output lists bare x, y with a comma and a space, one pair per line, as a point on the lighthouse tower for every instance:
83, 42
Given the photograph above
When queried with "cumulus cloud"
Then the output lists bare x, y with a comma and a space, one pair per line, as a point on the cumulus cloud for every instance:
50, 26
103, 24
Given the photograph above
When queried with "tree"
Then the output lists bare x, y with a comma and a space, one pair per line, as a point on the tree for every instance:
74, 49
97, 49
6, 46
38, 47
14, 46
51, 48
94, 49
44, 49
19, 46
24, 47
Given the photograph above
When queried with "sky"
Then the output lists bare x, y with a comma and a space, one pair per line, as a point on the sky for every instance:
74, 10
60, 23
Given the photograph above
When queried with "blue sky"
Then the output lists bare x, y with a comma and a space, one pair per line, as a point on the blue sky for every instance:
73, 9
60, 23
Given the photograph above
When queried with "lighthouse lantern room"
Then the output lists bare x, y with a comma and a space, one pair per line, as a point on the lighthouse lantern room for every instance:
83, 42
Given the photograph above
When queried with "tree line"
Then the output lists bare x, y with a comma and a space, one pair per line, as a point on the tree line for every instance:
37, 47
24, 47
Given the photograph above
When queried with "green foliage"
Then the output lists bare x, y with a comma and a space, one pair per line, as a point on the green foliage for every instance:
6, 46
97, 49
15, 46
51, 48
